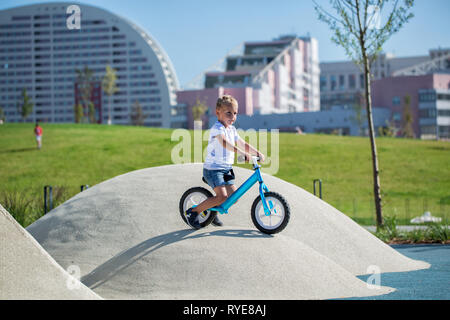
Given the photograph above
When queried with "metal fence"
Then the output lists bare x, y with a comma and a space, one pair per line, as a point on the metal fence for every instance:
404, 210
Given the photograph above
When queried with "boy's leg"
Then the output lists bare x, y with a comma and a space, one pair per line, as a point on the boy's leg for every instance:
192, 213
221, 196
230, 189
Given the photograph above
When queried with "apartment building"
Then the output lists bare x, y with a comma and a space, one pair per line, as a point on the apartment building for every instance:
278, 76
40, 51
342, 81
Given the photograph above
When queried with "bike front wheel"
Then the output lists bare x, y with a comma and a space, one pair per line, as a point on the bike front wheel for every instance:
193, 197
279, 213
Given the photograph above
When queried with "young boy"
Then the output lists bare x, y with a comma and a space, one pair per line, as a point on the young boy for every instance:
217, 169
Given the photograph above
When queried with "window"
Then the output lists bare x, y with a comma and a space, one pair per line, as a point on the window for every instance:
323, 82
444, 113
427, 96
18, 18
396, 101
428, 130
444, 131
341, 82
351, 81
427, 113
442, 96
333, 82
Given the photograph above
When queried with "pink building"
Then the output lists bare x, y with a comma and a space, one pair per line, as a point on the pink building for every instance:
209, 97
430, 101
278, 76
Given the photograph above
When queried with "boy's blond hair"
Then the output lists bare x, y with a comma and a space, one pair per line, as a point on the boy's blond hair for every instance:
226, 100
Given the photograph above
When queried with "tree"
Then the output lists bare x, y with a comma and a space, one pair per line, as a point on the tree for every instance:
78, 112
84, 80
358, 29
407, 129
390, 130
357, 107
137, 115
109, 87
2, 116
91, 112
198, 110
25, 105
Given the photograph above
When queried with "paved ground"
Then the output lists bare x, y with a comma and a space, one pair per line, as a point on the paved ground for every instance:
432, 283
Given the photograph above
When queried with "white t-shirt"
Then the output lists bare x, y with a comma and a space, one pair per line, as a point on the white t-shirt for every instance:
218, 157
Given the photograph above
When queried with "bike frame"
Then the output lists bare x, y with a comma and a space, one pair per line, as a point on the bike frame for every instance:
254, 178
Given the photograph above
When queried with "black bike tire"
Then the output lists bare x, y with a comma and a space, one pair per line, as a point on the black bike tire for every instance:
287, 213
207, 193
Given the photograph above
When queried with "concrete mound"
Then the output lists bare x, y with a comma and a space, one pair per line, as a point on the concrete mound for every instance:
28, 272
230, 263
326, 229
112, 229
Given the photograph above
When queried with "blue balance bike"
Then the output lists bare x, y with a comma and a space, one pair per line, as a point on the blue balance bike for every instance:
270, 211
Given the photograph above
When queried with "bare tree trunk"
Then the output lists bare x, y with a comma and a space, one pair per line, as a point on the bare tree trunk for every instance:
109, 110
376, 171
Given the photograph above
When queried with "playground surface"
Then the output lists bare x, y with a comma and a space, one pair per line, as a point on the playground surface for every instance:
426, 284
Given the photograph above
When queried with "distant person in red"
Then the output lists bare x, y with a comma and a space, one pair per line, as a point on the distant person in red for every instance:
38, 134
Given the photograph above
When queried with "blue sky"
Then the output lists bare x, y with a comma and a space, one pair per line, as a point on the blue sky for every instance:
198, 33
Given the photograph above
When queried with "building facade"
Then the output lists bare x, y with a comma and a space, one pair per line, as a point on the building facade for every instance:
429, 102
284, 74
342, 82
279, 76
340, 120
188, 99
40, 52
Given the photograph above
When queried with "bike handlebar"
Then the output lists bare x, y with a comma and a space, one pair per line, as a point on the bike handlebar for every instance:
255, 159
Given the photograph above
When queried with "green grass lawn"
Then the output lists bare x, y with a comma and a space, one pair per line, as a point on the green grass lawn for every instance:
415, 175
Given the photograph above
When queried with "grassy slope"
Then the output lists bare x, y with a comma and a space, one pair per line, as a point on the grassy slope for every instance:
72, 155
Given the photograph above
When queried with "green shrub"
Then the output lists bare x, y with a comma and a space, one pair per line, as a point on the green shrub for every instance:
433, 232
22, 206
438, 232
388, 231
27, 206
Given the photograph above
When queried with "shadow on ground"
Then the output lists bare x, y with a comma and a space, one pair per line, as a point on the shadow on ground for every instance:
123, 260
18, 150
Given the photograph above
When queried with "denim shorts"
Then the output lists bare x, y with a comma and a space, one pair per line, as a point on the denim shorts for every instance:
216, 178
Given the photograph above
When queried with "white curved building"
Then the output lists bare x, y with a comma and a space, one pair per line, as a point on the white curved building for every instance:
41, 46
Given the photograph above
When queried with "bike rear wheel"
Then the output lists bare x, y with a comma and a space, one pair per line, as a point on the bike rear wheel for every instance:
195, 196
279, 215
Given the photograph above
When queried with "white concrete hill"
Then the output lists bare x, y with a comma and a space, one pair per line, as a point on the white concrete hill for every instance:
128, 239
27, 272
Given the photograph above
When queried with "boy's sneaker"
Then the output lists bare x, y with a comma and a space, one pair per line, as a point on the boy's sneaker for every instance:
217, 221
192, 218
